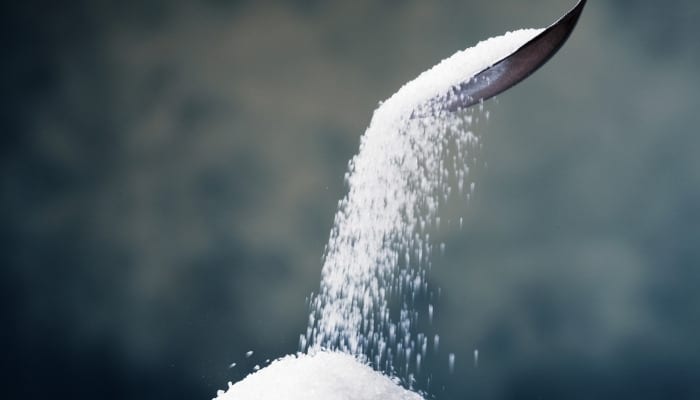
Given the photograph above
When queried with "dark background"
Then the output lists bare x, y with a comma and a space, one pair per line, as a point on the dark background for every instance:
170, 171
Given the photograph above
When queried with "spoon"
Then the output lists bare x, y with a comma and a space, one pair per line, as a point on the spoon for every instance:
515, 67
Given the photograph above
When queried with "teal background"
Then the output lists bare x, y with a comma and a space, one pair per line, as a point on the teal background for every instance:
170, 171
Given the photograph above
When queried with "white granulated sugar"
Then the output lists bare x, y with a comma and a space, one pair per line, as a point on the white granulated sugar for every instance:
322, 376
379, 247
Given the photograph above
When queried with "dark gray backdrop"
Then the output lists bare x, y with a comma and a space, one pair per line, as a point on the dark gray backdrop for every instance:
170, 171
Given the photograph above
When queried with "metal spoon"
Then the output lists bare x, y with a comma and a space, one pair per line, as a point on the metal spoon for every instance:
514, 68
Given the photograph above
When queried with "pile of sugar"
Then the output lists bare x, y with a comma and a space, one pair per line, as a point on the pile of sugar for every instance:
379, 245
322, 376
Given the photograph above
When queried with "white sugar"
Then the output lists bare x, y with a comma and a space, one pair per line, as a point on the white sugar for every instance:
322, 376
379, 246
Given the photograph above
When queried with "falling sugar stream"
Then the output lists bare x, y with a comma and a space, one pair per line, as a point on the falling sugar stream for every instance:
379, 249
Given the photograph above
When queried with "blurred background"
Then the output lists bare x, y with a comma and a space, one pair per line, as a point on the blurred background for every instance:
170, 172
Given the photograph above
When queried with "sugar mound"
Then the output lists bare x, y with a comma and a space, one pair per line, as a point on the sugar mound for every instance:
322, 376
435, 83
